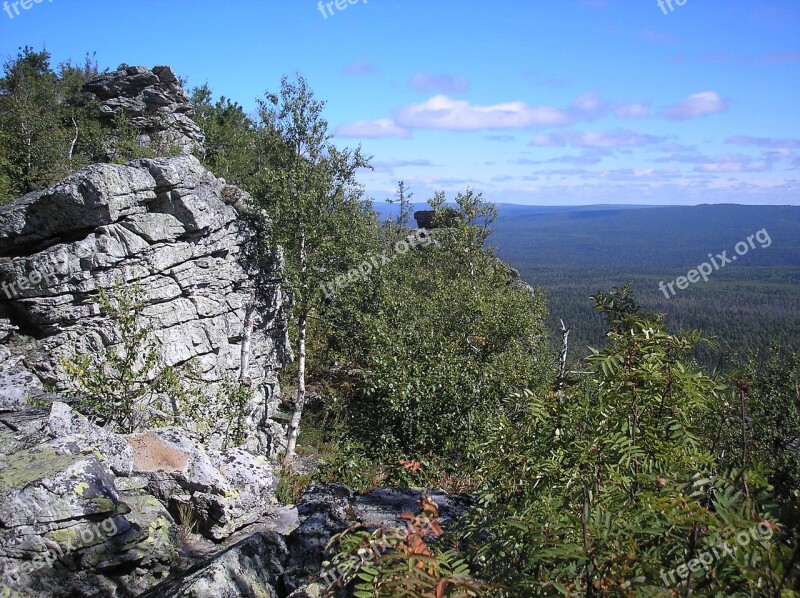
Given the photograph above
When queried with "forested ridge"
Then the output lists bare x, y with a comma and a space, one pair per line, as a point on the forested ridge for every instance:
439, 367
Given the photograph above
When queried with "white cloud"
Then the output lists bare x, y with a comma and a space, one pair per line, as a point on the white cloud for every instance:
696, 105
373, 129
634, 110
732, 163
444, 113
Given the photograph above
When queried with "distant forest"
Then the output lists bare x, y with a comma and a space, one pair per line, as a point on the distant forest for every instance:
572, 253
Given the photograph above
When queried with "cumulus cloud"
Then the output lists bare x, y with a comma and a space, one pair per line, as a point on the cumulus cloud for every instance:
696, 105
591, 105
767, 142
373, 129
442, 112
635, 110
596, 139
439, 83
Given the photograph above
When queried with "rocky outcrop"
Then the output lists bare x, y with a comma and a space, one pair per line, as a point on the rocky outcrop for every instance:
154, 102
225, 491
65, 525
169, 227
82, 508
251, 568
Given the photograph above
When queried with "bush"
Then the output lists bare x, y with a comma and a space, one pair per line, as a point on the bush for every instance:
430, 344
608, 487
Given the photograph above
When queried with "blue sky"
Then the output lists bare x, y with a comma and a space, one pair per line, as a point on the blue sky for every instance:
548, 102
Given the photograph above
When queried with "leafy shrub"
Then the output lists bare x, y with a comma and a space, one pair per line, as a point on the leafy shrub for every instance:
606, 486
432, 342
758, 425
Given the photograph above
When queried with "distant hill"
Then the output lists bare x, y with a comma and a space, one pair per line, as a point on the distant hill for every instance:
658, 237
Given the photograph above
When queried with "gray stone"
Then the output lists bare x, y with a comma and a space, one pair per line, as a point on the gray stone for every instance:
154, 102
251, 568
17, 383
116, 453
226, 490
384, 507
327, 509
169, 226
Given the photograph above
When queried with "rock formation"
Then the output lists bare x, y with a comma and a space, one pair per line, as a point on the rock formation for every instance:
167, 226
153, 101
83, 509
88, 512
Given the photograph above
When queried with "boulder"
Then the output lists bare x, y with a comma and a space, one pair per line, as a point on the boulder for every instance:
324, 511
62, 523
224, 490
17, 383
384, 507
114, 451
327, 509
251, 568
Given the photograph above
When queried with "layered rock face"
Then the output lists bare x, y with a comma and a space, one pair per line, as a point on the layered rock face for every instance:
154, 102
170, 227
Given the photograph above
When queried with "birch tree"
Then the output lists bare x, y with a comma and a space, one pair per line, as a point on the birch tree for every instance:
310, 191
